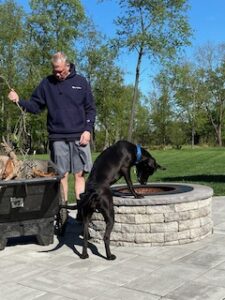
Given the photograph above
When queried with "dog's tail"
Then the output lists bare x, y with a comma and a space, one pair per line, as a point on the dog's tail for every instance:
86, 199
68, 206
90, 199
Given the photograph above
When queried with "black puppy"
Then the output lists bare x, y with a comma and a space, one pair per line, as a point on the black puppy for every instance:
112, 164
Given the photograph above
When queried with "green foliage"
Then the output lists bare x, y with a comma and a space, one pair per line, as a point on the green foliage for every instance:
143, 126
192, 96
185, 106
111, 96
159, 27
176, 135
56, 24
161, 109
11, 40
112, 99
27, 47
211, 61
188, 94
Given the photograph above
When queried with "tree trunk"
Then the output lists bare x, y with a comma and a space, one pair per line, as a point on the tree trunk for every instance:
192, 137
217, 128
2, 115
219, 135
8, 129
135, 95
106, 143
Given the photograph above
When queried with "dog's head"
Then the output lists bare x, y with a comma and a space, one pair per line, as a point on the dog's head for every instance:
145, 168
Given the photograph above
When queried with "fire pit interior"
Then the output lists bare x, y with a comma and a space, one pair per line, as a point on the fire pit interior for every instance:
153, 189
167, 214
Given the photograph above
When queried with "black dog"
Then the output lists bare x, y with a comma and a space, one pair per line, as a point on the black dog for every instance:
112, 164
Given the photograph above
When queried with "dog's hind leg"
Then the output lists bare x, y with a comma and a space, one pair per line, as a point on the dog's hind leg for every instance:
108, 215
86, 220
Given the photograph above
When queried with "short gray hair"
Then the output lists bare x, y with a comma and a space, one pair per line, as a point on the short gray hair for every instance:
59, 57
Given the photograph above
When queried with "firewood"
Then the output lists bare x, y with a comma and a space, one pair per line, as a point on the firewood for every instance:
39, 173
14, 168
9, 150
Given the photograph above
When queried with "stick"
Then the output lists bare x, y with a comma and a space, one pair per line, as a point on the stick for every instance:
6, 82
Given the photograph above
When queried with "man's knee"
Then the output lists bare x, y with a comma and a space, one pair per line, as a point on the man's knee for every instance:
65, 177
79, 175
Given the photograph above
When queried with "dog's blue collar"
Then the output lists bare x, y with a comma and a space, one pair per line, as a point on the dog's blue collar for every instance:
138, 154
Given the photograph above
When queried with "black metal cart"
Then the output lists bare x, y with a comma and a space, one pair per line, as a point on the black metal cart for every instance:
30, 207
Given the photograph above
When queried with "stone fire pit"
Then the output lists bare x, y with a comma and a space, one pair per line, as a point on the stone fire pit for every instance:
169, 214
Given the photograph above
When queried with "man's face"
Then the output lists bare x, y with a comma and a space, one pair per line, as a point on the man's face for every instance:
60, 70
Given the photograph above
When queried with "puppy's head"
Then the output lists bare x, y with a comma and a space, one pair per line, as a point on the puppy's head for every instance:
145, 168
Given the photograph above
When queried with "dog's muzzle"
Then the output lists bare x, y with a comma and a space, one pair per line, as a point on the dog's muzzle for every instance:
143, 182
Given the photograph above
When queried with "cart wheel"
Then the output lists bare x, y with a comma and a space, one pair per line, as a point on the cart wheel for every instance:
44, 240
61, 222
3, 242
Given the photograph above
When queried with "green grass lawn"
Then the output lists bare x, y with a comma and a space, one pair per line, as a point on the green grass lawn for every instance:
201, 165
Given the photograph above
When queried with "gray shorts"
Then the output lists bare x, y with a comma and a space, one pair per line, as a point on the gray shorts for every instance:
71, 157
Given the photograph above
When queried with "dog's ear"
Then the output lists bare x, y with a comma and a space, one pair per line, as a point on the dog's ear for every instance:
151, 162
160, 167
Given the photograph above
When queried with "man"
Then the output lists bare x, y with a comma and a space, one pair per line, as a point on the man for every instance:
70, 120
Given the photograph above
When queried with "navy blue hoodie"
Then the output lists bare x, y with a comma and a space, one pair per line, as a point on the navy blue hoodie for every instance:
70, 105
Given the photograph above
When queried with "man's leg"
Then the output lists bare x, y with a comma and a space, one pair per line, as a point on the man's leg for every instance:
64, 182
62, 216
79, 184
60, 156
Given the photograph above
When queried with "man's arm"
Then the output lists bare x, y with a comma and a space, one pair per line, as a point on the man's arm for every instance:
36, 103
90, 111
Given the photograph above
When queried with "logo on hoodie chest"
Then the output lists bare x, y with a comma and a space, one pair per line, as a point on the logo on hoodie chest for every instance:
76, 87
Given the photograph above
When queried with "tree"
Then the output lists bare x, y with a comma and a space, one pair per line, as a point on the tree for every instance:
107, 88
92, 47
215, 102
161, 110
176, 134
156, 28
142, 124
98, 62
11, 40
188, 94
211, 59
53, 26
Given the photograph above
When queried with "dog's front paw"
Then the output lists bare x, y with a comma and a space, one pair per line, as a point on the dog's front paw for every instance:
84, 256
111, 257
139, 196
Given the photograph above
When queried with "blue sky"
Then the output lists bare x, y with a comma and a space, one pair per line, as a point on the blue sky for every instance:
207, 19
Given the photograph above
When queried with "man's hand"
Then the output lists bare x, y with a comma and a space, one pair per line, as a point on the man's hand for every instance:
85, 138
13, 96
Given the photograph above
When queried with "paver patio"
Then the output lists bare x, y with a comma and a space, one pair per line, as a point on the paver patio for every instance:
55, 272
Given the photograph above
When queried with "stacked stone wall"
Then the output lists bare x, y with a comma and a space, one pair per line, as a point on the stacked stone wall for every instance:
153, 225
